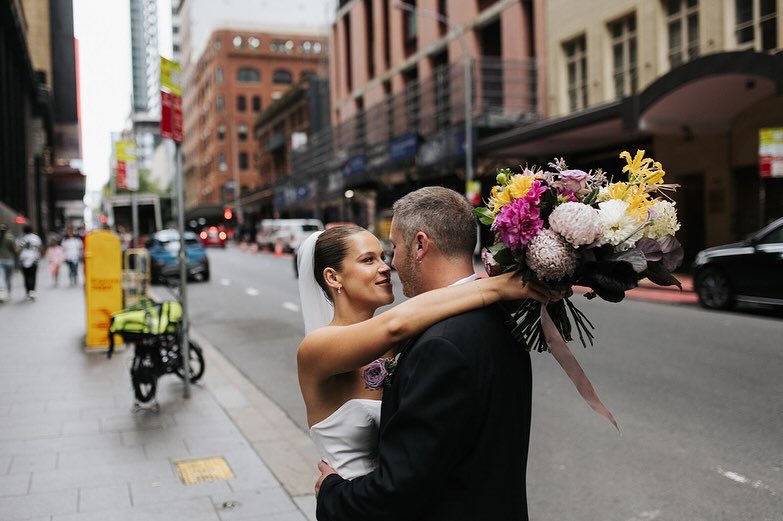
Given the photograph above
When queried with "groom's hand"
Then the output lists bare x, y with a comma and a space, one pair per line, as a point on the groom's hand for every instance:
325, 471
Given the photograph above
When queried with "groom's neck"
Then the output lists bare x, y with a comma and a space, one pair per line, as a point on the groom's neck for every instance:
446, 272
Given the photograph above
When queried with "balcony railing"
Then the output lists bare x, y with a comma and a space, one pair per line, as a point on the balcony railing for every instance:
504, 94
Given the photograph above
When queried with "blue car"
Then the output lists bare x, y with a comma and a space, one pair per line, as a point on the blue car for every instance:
164, 251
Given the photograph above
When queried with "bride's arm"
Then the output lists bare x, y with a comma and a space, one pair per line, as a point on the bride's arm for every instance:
338, 349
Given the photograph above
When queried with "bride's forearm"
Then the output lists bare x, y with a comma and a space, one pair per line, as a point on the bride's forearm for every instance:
417, 314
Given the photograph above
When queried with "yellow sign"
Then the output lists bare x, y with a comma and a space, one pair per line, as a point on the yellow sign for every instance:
103, 284
170, 74
125, 151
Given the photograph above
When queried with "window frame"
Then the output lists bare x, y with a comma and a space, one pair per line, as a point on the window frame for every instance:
755, 23
629, 70
581, 83
685, 51
242, 78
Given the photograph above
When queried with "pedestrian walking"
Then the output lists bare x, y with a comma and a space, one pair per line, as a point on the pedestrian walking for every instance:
55, 256
73, 247
7, 260
29, 248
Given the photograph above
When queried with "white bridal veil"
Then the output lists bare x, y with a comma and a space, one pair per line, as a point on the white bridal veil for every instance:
316, 308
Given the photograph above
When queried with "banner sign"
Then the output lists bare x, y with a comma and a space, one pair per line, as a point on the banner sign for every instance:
170, 77
127, 173
771, 152
171, 116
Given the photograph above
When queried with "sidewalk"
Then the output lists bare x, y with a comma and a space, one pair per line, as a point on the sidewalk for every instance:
72, 449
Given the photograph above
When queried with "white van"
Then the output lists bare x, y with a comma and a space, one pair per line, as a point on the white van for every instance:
289, 233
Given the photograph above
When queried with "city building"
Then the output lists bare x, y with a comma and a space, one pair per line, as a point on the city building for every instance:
692, 82
400, 105
40, 178
280, 131
145, 57
237, 76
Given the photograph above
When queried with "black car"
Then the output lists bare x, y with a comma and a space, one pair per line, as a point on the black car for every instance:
749, 271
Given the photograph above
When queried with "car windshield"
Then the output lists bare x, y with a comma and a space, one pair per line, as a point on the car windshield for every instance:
172, 243
309, 228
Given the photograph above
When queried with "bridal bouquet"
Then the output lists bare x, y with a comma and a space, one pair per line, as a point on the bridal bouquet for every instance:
567, 228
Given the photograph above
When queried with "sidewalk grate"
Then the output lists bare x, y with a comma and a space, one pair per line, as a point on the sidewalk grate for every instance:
204, 470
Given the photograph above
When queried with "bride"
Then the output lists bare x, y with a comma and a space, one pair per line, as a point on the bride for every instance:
343, 280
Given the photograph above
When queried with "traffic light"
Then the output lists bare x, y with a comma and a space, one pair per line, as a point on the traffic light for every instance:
228, 214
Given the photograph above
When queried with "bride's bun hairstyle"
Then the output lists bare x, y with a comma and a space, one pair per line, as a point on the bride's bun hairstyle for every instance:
331, 248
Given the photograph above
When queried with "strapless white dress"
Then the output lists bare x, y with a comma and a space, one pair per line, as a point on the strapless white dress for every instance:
348, 439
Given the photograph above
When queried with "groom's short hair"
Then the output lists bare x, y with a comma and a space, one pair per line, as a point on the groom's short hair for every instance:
443, 214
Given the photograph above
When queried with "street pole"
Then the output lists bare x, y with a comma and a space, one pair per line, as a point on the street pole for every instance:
183, 271
235, 163
468, 80
135, 219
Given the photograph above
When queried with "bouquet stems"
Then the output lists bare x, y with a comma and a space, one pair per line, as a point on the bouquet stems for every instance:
528, 330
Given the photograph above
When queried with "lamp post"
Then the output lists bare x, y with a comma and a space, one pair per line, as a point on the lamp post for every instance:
468, 80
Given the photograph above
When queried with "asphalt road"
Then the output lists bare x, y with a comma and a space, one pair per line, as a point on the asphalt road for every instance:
698, 395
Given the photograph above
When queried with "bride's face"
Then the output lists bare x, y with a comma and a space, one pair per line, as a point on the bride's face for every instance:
365, 276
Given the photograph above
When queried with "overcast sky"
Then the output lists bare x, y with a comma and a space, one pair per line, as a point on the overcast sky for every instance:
103, 30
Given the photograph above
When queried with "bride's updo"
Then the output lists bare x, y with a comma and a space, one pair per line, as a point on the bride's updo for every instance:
331, 248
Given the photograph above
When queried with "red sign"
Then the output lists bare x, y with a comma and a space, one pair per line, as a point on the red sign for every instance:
171, 116
122, 176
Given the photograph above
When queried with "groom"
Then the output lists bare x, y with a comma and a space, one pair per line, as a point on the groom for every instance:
455, 423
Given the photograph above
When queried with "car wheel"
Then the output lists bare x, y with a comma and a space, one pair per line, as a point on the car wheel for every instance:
714, 289
205, 276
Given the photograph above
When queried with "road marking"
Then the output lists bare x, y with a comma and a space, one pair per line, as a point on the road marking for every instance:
253, 292
290, 306
739, 478
225, 282
648, 515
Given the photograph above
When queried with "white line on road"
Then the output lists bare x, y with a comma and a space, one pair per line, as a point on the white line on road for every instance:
290, 306
225, 282
253, 292
739, 478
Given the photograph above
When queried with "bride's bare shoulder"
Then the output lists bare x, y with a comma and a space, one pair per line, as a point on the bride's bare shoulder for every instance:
316, 341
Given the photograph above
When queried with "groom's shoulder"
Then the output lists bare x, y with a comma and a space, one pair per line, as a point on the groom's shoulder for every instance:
469, 326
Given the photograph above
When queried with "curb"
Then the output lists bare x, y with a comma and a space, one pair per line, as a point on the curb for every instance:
278, 441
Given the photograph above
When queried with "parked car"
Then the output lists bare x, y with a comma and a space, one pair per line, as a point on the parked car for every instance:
288, 233
746, 271
164, 251
213, 236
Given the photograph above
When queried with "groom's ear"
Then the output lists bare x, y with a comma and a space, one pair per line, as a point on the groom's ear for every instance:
421, 243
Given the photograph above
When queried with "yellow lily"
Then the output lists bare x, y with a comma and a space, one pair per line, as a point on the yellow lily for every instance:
642, 170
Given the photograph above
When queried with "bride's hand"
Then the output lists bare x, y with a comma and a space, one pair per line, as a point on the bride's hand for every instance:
511, 287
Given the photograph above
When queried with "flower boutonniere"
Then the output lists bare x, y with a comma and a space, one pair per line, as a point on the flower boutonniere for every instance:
377, 375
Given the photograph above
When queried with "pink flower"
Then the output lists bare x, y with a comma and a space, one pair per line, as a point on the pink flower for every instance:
518, 222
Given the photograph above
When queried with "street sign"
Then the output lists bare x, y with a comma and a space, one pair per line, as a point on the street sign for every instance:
473, 192
121, 176
170, 77
171, 116
127, 171
771, 152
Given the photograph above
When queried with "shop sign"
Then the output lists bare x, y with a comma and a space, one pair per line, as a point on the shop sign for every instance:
403, 147
771, 152
378, 155
355, 165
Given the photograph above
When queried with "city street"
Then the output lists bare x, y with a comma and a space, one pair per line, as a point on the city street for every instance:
696, 393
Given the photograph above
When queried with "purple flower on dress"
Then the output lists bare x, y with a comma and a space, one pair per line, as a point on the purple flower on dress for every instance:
519, 221
375, 374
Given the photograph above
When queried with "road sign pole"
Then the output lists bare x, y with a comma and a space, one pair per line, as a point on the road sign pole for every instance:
183, 270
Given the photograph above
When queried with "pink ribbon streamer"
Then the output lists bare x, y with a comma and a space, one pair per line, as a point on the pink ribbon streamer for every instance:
569, 363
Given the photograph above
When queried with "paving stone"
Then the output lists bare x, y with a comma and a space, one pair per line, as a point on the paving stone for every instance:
196, 509
102, 476
254, 503
91, 458
145, 492
104, 498
15, 508
78, 427
36, 462
307, 505
15, 484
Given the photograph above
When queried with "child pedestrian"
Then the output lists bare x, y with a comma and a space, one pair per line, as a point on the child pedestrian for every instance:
55, 255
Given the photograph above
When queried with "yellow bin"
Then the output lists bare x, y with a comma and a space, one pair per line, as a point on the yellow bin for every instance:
103, 284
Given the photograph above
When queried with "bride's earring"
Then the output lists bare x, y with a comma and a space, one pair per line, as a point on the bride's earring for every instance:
339, 289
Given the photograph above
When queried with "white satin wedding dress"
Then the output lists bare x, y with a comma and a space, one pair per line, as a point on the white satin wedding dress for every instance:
348, 438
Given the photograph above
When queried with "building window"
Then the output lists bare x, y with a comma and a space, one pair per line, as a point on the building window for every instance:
306, 75
221, 132
347, 47
248, 75
285, 46
282, 77
220, 104
369, 25
241, 103
576, 73
756, 24
219, 76
222, 166
253, 42
682, 21
256, 103
386, 35
242, 132
624, 62
244, 161
237, 41
411, 28
217, 44
443, 12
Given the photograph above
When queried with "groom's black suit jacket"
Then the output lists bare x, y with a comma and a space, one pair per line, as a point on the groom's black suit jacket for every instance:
454, 433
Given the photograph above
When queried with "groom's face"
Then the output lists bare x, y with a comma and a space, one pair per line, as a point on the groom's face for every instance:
404, 262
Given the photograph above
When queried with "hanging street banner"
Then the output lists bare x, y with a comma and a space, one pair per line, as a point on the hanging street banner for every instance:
127, 172
170, 100
771, 152
170, 77
171, 116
